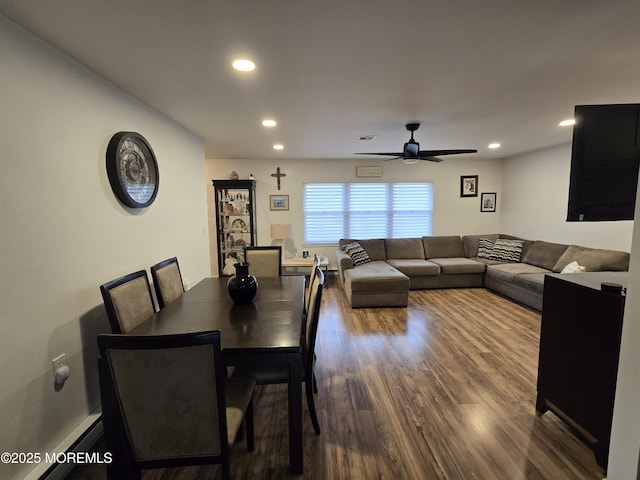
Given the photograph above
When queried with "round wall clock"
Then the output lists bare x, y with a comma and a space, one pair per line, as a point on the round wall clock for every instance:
132, 169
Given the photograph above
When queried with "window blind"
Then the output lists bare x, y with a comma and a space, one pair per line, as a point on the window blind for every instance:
366, 210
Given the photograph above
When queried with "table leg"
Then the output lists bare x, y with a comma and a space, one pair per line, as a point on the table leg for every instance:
295, 413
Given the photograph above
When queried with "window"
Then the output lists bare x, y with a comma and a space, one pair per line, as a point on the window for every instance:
366, 210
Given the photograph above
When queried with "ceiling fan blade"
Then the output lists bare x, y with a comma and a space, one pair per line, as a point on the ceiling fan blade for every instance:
433, 153
389, 154
431, 159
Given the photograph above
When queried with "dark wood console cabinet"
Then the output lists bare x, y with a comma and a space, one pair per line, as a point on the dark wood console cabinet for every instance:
579, 350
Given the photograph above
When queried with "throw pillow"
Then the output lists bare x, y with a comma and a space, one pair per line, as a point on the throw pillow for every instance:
357, 253
573, 267
485, 245
507, 250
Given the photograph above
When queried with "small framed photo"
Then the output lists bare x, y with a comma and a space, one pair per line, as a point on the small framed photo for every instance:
469, 186
279, 202
488, 202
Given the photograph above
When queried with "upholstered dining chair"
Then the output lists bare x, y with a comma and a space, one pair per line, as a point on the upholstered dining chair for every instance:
312, 275
167, 281
276, 374
167, 403
128, 301
264, 261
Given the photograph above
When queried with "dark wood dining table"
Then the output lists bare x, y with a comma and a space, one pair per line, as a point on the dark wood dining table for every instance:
267, 330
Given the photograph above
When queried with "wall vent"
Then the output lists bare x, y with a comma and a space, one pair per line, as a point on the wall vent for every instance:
367, 138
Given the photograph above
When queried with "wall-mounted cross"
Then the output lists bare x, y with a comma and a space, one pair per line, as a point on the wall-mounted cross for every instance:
278, 175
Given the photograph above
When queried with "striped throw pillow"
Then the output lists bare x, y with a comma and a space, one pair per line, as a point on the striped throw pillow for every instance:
357, 253
485, 246
507, 250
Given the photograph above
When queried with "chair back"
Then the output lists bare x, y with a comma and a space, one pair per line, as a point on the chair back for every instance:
128, 301
313, 316
312, 276
264, 261
169, 393
167, 281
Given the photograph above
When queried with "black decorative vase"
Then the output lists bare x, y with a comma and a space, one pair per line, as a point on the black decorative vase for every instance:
242, 286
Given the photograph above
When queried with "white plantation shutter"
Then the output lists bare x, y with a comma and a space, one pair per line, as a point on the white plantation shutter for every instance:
366, 210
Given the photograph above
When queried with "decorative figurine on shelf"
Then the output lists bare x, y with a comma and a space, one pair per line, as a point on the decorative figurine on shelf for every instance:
229, 263
242, 286
233, 175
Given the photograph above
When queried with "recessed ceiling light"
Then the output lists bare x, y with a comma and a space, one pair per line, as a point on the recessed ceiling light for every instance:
494, 145
410, 161
269, 123
243, 65
278, 146
567, 123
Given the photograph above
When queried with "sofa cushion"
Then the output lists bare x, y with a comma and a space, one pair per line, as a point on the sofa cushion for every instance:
451, 266
506, 250
470, 243
357, 253
414, 267
376, 276
531, 281
508, 271
545, 254
594, 259
374, 247
443, 247
404, 248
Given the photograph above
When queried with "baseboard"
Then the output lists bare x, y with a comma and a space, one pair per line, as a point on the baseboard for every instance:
82, 439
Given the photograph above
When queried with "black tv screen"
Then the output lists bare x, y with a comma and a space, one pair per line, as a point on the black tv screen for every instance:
605, 157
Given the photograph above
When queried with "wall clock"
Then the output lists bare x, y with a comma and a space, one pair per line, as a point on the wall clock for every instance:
132, 169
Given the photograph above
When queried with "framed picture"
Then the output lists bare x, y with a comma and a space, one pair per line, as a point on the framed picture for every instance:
469, 186
488, 202
279, 202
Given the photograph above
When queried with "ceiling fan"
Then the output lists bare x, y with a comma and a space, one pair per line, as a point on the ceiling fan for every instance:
411, 152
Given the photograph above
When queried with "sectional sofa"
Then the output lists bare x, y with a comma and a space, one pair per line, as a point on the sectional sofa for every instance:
380, 272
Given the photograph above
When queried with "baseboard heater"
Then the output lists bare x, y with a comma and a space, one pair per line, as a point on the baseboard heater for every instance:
83, 442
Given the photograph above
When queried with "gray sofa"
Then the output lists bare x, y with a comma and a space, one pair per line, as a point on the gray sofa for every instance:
393, 266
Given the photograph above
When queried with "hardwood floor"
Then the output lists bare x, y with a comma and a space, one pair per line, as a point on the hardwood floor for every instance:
444, 389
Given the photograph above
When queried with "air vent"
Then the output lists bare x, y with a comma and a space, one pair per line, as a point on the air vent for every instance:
367, 138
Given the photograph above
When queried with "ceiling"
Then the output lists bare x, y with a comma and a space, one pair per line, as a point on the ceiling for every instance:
330, 71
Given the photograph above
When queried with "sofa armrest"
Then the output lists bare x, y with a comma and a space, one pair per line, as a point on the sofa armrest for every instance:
344, 263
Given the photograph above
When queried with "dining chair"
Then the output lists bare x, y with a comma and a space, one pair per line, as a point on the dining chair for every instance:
167, 281
264, 261
128, 301
277, 374
167, 402
312, 275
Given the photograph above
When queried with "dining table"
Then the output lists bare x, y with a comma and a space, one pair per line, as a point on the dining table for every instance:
267, 330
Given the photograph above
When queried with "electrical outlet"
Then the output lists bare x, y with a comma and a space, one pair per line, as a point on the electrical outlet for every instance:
57, 362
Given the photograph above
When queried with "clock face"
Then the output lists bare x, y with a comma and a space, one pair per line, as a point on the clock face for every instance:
132, 169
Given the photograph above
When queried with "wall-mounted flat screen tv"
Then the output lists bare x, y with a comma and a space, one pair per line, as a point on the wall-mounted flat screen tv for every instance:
605, 157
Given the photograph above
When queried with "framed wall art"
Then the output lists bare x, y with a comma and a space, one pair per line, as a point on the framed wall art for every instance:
279, 202
488, 202
469, 186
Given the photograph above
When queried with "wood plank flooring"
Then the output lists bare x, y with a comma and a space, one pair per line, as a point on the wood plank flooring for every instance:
444, 389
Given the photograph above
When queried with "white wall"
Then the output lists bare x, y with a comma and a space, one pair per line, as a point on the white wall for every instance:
64, 233
624, 454
534, 204
453, 215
